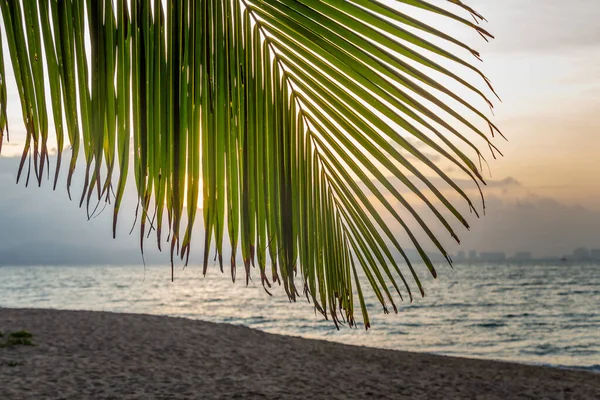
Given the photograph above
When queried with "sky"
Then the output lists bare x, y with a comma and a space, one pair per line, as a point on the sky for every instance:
544, 194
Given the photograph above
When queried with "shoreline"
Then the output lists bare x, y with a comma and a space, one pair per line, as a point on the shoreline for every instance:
93, 354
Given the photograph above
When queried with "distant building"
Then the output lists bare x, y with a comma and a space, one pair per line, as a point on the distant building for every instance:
461, 256
472, 255
492, 257
581, 254
523, 256
595, 254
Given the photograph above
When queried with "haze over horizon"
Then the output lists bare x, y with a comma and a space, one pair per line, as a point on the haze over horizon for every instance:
36, 218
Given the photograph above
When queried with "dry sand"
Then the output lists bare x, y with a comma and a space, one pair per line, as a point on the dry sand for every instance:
97, 355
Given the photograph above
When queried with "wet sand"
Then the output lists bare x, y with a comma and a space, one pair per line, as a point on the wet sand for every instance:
97, 355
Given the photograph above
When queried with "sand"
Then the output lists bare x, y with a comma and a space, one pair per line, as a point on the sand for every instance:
98, 355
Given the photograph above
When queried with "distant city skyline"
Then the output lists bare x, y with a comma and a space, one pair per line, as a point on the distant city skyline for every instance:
578, 254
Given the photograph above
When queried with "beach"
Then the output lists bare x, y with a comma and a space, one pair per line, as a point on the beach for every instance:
100, 355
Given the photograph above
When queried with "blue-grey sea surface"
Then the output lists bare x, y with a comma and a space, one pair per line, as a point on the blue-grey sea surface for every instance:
535, 314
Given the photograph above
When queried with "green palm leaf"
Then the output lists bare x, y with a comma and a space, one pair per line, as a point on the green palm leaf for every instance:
289, 121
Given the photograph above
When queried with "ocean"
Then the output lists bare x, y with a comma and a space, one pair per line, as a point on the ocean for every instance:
526, 313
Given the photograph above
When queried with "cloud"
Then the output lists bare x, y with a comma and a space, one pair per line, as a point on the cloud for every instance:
492, 186
509, 181
420, 146
538, 224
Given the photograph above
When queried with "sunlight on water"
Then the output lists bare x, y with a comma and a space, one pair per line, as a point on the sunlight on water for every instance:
525, 313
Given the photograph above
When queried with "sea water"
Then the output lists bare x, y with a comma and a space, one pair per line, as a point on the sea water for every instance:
527, 313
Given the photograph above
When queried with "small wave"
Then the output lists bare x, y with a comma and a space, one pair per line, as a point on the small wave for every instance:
411, 324
394, 333
579, 326
121, 286
517, 315
453, 305
590, 368
542, 350
513, 339
491, 325
502, 290
539, 323
260, 320
212, 300
533, 283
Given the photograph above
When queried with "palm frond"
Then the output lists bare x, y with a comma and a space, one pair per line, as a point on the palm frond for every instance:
293, 119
